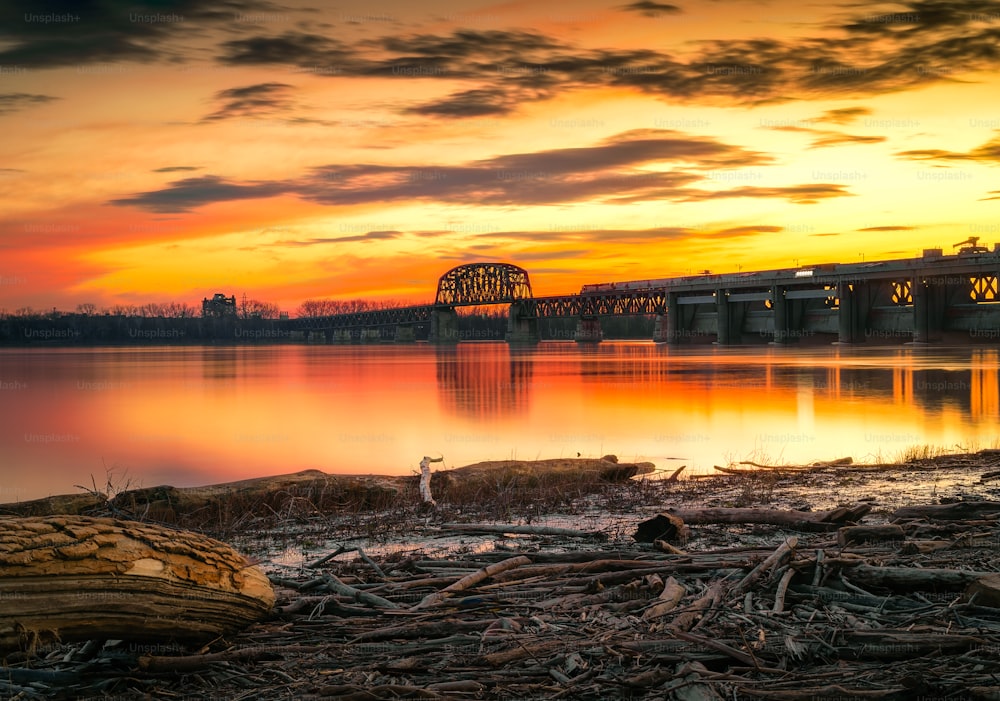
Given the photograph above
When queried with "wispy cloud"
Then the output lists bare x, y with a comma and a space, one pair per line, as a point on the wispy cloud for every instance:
14, 101
191, 193
626, 168
987, 153
828, 137
649, 8
261, 99
844, 115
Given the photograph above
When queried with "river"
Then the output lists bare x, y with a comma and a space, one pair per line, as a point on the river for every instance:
189, 415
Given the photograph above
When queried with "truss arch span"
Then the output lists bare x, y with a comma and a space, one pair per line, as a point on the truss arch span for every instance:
483, 283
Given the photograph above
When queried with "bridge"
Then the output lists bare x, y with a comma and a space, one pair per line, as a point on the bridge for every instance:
933, 298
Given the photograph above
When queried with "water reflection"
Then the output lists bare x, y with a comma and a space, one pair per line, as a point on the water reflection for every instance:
484, 381
195, 415
219, 363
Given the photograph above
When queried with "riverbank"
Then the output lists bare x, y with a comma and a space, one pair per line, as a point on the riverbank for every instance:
412, 602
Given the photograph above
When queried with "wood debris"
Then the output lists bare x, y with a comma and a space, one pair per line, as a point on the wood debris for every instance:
856, 614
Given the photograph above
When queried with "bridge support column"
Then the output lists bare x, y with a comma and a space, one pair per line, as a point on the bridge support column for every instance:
847, 315
405, 334
328, 335
444, 326
661, 328
588, 330
724, 322
522, 325
928, 311
852, 313
779, 311
370, 335
666, 328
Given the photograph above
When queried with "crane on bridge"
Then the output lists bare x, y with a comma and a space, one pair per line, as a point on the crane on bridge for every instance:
971, 245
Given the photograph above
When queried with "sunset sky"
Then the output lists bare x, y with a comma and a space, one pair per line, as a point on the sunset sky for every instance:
164, 152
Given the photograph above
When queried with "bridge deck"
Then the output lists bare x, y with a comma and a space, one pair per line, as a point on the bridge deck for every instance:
961, 282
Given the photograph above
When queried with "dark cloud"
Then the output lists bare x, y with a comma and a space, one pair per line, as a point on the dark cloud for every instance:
610, 171
887, 228
175, 169
599, 236
468, 103
799, 194
370, 236
838, 139
14, 101
826, 137
845, 115
191, 193
651, 9
916, 18
988, 153
744, 230
323, 55
494, 45
252, 101
634, 166
865, 54
108, 30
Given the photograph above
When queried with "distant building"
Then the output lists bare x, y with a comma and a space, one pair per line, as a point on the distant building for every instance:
219, 306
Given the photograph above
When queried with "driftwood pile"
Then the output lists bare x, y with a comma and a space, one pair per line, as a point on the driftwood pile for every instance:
830, 609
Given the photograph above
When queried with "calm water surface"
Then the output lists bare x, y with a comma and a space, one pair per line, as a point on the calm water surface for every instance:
199, 415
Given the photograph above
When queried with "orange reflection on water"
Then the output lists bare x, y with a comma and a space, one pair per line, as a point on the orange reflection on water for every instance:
195, 415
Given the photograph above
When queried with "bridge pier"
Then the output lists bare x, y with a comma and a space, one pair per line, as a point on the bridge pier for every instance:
665, 326
729, 319
444, 325
588, 330
851, 314
405, 334
928, 311
370, 335
522, 325
662, 328
779, 311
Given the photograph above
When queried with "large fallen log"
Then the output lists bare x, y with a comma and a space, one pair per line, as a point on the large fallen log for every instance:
910, 579
800, 520
959, 511
66, 578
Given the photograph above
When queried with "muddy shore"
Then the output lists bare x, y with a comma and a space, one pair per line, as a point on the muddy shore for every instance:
369, 603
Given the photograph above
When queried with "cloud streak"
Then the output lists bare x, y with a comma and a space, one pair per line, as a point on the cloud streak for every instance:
16, 101
633, 166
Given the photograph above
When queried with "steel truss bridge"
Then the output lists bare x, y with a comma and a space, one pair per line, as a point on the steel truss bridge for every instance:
917, 299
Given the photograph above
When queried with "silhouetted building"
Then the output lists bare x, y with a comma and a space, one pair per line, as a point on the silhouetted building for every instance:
219, 306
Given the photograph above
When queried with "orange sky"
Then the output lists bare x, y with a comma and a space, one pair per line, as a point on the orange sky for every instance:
289, 152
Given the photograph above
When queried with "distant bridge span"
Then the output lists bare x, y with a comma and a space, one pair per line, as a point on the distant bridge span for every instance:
932, 298
483, 283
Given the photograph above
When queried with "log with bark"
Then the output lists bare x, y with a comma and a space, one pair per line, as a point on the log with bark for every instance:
65, 578
959, 511
800, 520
